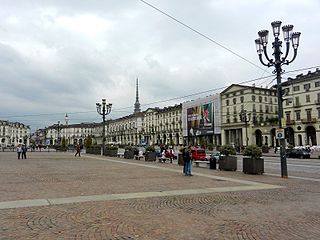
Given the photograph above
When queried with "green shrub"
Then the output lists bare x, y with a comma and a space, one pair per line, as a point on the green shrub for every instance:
227, 150
150, 149
210, 146
252, 151
111, 147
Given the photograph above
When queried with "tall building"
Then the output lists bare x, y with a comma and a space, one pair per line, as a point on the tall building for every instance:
13, 133
137, 104
302, 109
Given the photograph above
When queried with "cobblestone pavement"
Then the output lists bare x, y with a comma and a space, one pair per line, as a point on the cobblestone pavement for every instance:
110, 198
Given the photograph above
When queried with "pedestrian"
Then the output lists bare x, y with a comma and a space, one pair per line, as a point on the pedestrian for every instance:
19, 151
189, 162
186, 162
24, 151
78, 149
275, 149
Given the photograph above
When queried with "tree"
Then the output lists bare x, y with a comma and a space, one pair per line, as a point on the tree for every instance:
63, 142
88, 142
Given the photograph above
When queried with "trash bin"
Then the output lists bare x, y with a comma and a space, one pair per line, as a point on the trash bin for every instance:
213, 163
180, 159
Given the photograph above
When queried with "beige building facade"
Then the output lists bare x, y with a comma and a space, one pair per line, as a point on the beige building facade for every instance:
302, 109
13, 134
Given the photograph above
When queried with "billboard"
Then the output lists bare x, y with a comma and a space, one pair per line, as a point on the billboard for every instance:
200, 120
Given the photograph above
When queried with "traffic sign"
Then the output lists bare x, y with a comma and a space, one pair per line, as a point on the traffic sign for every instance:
280, 133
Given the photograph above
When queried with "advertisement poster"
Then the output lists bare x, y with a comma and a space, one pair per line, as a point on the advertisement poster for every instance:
200, 120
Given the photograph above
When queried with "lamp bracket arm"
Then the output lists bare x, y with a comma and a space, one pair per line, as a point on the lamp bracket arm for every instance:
293, 58
265, 64
266, 54
287, 51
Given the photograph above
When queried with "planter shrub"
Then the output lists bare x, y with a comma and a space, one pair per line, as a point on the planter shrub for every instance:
227, 162
252, 161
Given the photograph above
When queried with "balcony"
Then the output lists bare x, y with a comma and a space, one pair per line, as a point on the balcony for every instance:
296, 105
290, 122
309, 120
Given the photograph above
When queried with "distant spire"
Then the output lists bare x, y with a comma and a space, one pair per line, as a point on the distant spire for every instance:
66, 119
137, 104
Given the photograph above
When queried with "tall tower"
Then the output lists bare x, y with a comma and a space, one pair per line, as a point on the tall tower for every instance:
66, 119
137, 104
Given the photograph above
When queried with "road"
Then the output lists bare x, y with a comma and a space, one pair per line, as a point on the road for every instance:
297, 168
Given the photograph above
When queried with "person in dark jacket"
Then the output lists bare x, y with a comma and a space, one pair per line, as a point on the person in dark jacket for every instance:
186, 161
24, 151
78, 149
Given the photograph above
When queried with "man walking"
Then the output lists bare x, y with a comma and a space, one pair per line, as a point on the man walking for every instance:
24, 151
78, 150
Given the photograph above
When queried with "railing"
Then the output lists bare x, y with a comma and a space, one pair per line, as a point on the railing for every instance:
296, 105
290, 122
310, 120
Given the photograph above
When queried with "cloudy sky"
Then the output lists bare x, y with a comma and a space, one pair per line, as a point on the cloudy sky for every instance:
63, 56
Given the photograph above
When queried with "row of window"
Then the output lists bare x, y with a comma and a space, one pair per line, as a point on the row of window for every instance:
298, 115
253, 98
268, 109
253, 90
306, 87
308, 100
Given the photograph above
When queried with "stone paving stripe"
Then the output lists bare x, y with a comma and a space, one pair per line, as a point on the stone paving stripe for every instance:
24, 203
124, 196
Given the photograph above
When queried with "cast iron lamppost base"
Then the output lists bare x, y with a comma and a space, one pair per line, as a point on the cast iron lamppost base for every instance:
277, 62
103, 109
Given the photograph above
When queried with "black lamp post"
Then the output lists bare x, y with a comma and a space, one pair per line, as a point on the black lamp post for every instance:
277, 62
245, 117
103, 109
58, 132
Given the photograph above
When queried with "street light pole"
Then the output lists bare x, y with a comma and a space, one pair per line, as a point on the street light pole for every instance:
103, 109
277, 62
58, 132
245, 117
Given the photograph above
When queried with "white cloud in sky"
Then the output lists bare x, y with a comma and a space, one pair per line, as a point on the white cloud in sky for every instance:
63, 56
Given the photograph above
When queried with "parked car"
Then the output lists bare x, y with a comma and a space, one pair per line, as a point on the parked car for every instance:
297, 153
198, 154
215, 155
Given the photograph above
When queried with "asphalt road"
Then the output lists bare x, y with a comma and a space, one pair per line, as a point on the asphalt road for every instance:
297, 168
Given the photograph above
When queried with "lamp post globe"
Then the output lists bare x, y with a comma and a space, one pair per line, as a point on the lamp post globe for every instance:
277, 62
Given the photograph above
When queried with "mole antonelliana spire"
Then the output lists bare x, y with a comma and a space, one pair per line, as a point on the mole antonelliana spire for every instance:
137, 104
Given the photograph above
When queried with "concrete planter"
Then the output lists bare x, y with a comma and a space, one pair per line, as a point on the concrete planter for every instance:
228, 163
94, 150
180, 159
128, 154
150, 156
253, 165
111, 152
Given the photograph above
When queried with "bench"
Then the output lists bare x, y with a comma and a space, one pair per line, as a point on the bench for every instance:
198, 162
138, 157
161, 159
120, 152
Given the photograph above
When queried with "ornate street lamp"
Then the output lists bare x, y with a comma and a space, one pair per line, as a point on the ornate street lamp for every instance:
58, 133
245, 117
103, 109
277, 62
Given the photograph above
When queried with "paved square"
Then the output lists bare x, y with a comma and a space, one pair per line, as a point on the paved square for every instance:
59, 196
